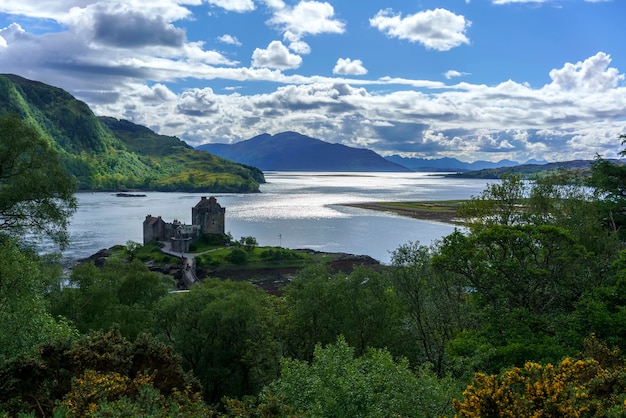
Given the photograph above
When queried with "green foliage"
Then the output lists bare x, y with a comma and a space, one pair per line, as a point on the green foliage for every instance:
435, 302
592, 386
121, 294
97, 371
499, 204
279, 254
249, 243
338, 384
208, 242
237, 256
609, 181
532, 250
538, 268
362, 307
269, 407
151, 252
96, 394
36, 195
24, 318
221, 328
602, 309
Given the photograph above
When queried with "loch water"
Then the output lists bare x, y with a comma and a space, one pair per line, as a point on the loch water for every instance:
293, 210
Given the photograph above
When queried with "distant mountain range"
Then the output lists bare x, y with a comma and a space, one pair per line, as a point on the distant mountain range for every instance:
452, 164
109, 154
291, 151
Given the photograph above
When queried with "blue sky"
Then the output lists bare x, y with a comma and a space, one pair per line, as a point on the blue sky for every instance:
470, 79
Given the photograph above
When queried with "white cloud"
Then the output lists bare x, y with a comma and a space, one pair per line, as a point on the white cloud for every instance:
198, 102
239, 6
275, 56
306, 18
437, 29
346, 66
300, 47
13, 32
229, 39
592, 74
454, 73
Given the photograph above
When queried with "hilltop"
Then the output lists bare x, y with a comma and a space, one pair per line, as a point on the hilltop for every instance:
109, 154
291, 151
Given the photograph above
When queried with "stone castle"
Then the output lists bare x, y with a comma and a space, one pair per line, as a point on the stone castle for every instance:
207, 217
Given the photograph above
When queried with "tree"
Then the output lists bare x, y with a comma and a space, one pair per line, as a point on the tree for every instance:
434, 301
120, 294
361, 306
339, 384
538, 268
532, 248
602, 310
249, 243
24, 318
36, 194
499, 204
221, 330
609, 181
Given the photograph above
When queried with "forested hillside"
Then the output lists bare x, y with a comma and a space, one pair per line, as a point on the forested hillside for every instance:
118, 155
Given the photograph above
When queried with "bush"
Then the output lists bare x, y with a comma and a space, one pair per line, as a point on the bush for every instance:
237, 256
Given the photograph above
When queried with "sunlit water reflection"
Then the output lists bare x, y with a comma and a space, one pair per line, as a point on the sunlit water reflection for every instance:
294, 210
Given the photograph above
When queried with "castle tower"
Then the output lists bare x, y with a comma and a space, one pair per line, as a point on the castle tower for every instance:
154, 229
209, 215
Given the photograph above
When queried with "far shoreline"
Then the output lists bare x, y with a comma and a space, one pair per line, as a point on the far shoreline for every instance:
444, 211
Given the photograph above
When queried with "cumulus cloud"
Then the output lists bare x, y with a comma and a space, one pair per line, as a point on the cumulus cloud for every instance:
13, 32
229, 39
346, 66
306, 18
591, 74
197, 102
300, 47
275, 56
438, 29
454, 73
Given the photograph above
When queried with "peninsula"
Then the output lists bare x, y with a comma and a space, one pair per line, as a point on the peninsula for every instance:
436, 211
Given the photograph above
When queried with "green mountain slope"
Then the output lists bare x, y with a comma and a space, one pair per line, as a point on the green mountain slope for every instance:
107, 154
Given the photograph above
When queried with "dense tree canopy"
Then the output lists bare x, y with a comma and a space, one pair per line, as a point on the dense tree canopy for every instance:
36, 194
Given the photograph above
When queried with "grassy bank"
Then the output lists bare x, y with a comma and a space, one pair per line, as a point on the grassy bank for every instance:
436, 210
